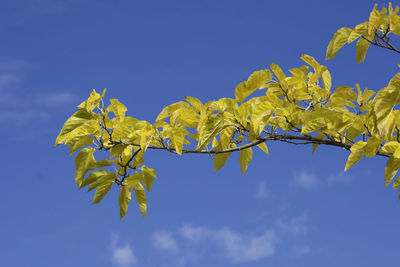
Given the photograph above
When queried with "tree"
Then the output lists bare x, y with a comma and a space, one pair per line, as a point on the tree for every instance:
298, 108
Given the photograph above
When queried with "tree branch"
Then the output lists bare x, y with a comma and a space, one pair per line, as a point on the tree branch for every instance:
274, 137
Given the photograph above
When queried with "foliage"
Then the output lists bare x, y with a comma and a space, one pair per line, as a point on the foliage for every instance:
298, 108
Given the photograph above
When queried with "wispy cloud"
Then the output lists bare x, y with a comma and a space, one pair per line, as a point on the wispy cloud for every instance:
234, 246
300, 250
306, 179
28, 110
122, 255
163, 240
196, 242
293, 226
262, 191
340, 177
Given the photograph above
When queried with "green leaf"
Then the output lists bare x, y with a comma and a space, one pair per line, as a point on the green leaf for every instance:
85, 161
124, 199
244, 158
357, 151
338, 41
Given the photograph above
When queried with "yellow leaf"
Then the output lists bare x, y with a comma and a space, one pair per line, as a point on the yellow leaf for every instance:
396, 183
77, 119
357, 151
148, 177
385, 100
260, 116
244, 158
359, 30
392, 166
89, 128
101, 191
257, 80
118, 109
372, 146
263, 147
116, 150
220, 160
94, 176
396, 153
314, 125
124, 199
104, 185
98, 179
318, 136
361, 49
196, 103
339, 39
79, 142
85, 161
139, 193
168, 110
374, 17
126, 155
91, 103
326, 80
213, 126
390, 147
178, 138
277, 71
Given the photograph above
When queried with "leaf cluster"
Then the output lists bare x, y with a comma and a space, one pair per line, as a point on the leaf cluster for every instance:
298, 106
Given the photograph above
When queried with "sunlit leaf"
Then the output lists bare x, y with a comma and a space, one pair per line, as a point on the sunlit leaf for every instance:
245, 158
124, 199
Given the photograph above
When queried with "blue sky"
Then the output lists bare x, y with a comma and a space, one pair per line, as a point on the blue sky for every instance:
291, 208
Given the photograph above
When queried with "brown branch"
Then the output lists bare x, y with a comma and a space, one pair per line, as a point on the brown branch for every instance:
281, 137
377, 43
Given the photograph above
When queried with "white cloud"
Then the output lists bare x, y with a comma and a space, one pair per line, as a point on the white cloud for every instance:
262, 191
164, 241
306, 180
340, 177
122, 255
28, 110
301, 250
8, 79
294, 226
234, 246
